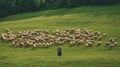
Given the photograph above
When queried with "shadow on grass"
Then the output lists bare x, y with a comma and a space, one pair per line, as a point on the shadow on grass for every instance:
93, 10
45, 13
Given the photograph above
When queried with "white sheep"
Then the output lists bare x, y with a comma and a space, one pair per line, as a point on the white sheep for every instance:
99, 43
107, 44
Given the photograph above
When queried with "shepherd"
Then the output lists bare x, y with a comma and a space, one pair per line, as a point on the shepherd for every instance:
59, 51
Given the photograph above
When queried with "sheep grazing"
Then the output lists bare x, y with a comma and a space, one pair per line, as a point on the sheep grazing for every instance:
113, 39
95, 37
90, 38
86, 31
72, 43
104, 35
91, 41
115, 43
51, 43
72, 30
8, 36
67, 30
78, 31
15, 43
89, 44
97, 33
100, 38
107, 44
44, 45
99, 43
42, 38
111, 46
34, 45
80, 42
7, 30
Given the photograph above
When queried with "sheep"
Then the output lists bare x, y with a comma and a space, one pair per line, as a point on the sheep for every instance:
97, 33
72, 31
113, 39
8, 37
56, 31
8, 31
85, 36
90, 38
111, 46
40, 44
115, 44
67, 30
30, 42
104, 35
95, 37
51, 43
42, 38
77, 31
67, 39
60, 42
44, 45
34, 45
21, 43
89, 44
47, 44
3, 36
71, 37
99, 43
91, 41
79, 42
107, 44
37, 38
72, 43
87, 32
15, 43
100, 38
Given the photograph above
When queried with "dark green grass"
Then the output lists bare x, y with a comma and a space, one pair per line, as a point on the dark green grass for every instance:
105, 19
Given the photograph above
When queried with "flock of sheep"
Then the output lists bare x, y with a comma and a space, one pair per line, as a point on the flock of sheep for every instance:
72, 37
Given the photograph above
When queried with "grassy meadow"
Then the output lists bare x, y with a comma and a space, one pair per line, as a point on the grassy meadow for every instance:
105, 19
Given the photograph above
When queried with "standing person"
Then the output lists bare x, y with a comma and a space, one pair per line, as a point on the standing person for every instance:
59, 51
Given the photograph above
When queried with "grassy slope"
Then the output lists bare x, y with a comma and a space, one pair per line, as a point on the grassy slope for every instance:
105, 19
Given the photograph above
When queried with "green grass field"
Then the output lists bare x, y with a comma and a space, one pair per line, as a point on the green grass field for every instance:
105, 19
